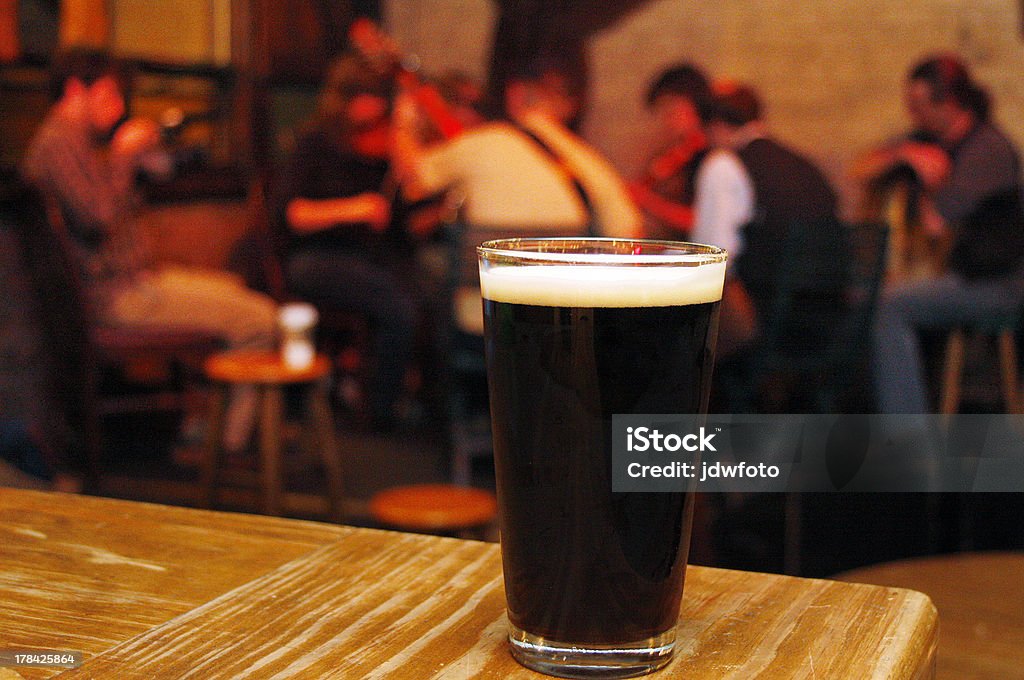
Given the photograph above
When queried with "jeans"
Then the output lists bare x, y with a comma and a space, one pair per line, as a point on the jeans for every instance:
352, 283
937, 303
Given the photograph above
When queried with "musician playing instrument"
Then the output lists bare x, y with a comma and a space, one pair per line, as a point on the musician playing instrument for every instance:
528, 173
337, 200
971, 179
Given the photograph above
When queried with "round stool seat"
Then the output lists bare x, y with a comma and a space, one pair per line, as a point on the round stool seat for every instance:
268, 375
263, 367
434, 507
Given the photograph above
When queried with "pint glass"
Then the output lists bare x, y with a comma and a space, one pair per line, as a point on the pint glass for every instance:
576, 331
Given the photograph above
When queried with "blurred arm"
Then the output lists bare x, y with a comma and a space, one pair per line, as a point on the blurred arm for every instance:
675, 215
307, 215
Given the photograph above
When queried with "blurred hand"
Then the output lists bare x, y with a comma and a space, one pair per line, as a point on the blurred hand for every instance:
929, 161
376, 210
932, 223
134, 137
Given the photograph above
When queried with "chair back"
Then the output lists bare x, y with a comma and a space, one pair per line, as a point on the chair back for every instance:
463, 274
258, 256
820, 315
809, 289
65, 315
460, 344
869, 254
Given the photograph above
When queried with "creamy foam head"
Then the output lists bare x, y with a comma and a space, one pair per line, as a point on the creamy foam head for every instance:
604, 285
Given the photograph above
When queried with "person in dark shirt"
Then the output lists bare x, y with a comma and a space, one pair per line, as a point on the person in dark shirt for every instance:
751, 191
972, 193
336, 200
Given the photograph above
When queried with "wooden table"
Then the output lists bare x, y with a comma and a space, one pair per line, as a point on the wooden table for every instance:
980, 597
148, 591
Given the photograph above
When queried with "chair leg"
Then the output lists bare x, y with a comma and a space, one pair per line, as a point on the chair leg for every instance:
1008, 369
92, 430
270, 447
793, 541
214, 439
461, 465
950, 399
324, 424
93, 442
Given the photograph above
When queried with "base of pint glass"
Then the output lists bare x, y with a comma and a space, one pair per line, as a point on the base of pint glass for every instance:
568, 660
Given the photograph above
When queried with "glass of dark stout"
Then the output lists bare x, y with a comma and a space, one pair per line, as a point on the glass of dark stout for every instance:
576, 331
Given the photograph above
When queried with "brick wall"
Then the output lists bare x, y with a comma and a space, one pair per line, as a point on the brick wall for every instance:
831, 73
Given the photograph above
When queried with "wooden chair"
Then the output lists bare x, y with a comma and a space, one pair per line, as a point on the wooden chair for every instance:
158, 366
815, 359
1002, 328
465, 372
342, 335
816, 336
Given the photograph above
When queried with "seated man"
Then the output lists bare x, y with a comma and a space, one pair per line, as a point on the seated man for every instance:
972, 183
529, 173
344, 248
84, 159
750, 191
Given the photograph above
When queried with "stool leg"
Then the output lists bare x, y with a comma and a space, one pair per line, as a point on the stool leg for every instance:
1008, 368
214, 439
270, 448
950, 400
323, 421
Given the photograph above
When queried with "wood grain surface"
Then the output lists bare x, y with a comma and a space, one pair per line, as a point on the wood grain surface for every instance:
980, 598
153, 592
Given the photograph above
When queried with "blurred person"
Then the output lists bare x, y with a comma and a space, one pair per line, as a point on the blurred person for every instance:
529, 172
84, 158
337, 198
971, 176
749, 190
680, 97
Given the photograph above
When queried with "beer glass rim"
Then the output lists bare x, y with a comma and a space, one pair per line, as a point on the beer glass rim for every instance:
585, 250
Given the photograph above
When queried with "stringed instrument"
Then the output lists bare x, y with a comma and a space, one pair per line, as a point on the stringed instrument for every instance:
667, 176
895, 198
383, 55
668, 163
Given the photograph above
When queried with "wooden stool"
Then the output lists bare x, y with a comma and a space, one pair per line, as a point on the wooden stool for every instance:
265, 371
1003, 328
434, 508
978, 596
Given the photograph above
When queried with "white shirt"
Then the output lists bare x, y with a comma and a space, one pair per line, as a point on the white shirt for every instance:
615, 214
723, 203
507, 181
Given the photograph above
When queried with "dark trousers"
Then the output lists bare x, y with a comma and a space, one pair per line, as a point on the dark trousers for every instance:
355, 284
